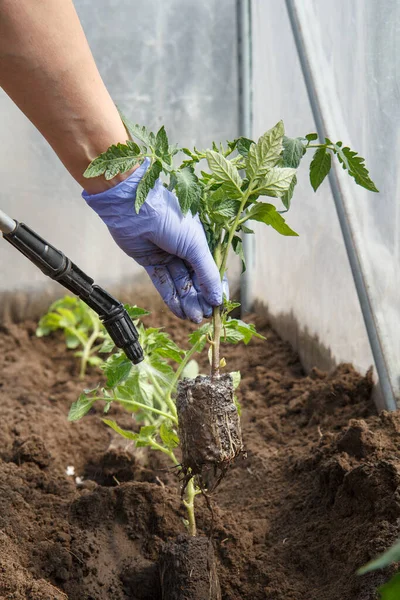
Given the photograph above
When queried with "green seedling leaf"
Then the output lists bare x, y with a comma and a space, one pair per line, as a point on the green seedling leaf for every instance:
267, 213
276, 182
161, 146
288, 195
116, 369
147, 183
168, 435
243, 146
230, 305
266, 154
319, 167
224, 171
238, 405
311, 137
137, 131
293, 151
129, 435
203, 331
237, 246
235, 378
135, 312
107, 346
188, 190
80, 408
146, 435
95, 361
191, 370
355, 165
236, 331
119, 158
389, 557
391, 589
225, 208
71, 340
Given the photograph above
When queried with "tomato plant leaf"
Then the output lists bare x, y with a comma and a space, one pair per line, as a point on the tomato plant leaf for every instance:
391, 589
384, 560
135, 312
311, 137
116, 368
168, 435
237, 246
161, 146
355, 165
117, 159
320, 167
224, 171
138, 131
188, 190
129, 435
293, 151
80, 408
288, 195
147, 183
276, 182
267, 213
266, 154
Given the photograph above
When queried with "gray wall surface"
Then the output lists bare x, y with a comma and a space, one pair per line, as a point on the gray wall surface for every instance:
306, 282
172, 63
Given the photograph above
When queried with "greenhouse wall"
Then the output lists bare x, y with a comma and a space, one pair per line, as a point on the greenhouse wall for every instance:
157, 72
306, 283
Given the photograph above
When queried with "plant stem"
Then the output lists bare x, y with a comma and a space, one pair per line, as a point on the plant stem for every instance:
145, 407
88, 347
169, 453
189, 505
217, 319
164, 395
185, 361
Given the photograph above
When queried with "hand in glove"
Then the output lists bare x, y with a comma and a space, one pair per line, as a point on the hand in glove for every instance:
171, 247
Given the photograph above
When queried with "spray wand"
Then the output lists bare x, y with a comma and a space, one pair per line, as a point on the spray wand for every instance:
57, 266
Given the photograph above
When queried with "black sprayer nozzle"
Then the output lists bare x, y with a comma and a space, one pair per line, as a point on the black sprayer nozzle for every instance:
57, 266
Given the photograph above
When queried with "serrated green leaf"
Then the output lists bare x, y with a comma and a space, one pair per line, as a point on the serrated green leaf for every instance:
319, 167
266, 154
391, 589
226, 208
116, 368
276, 182
80, 408
245, 229
119, 158
243, 146
188, 189
293, 151
107, 346
224, 171
168, 435
267, 213
230, 305
147, 183
237, 246
235, 379
389, 557
194, 337
311, 136
355, 165
146, 435
135, 312
129, 435
236, 330
139, 132
161, 146
71, 340
288, 195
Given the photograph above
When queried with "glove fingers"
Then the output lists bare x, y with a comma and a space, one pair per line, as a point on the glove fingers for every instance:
186, 291
204, 305
201, 261
165, 286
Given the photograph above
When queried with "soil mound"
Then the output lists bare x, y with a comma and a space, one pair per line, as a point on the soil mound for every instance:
317, 496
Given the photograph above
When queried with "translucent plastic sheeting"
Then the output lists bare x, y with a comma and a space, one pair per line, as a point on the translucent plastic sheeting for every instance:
353, 49
306, 282
172, 63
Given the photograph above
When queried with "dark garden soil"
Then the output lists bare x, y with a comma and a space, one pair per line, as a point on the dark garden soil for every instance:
316, 497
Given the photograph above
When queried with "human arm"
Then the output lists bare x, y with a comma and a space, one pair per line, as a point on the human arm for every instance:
47, 69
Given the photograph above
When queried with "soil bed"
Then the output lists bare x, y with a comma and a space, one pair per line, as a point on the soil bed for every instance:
317, 496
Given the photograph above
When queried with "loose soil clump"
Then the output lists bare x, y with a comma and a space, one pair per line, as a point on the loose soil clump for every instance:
317, 496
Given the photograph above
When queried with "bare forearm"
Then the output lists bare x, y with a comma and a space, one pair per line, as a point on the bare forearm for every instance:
46, 67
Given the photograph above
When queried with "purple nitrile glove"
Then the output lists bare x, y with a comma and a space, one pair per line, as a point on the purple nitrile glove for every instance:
171, 247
